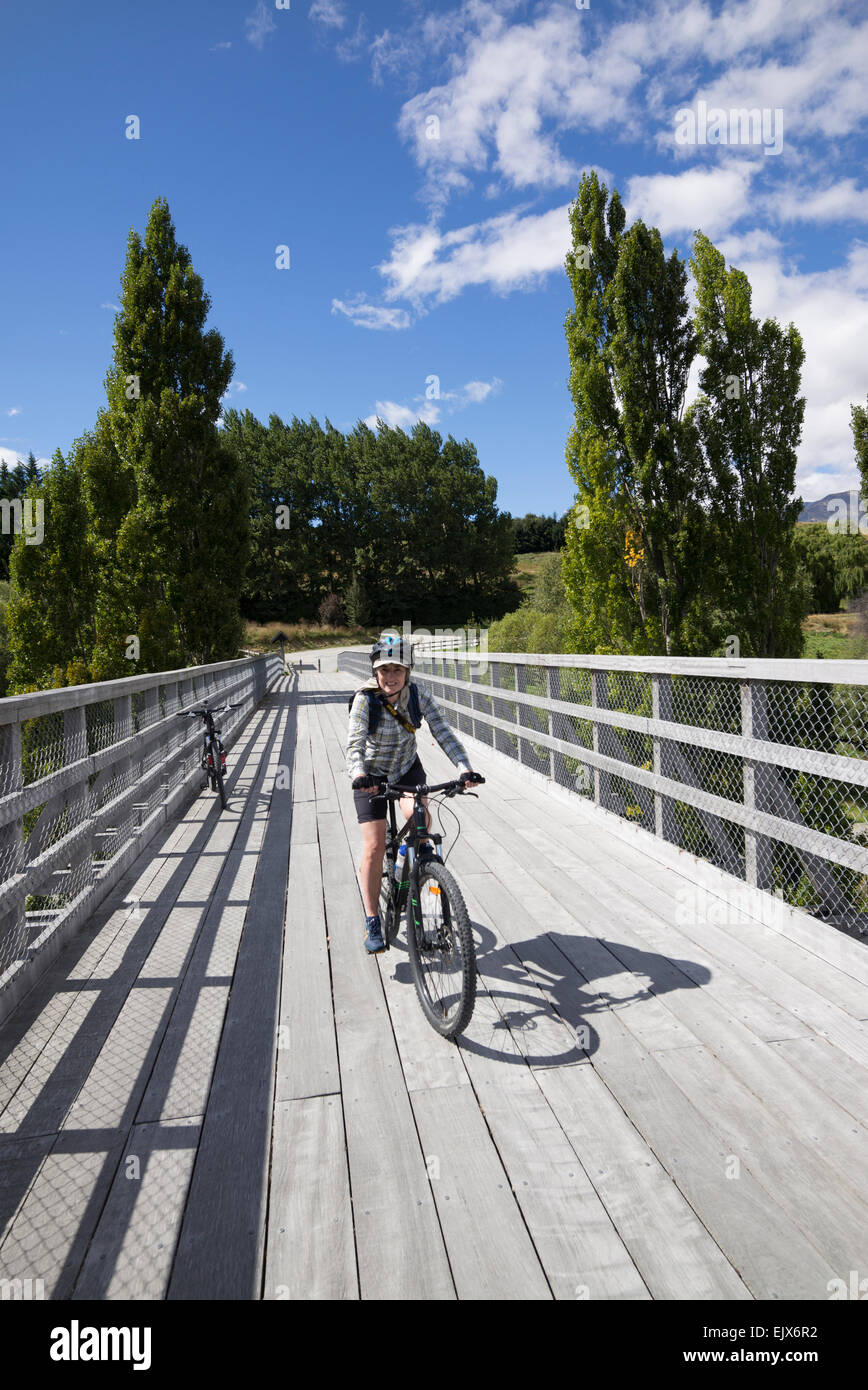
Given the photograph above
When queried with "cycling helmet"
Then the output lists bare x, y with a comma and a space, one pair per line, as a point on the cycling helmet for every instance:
391, 650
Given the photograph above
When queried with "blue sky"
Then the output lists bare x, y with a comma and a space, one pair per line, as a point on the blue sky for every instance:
419, 163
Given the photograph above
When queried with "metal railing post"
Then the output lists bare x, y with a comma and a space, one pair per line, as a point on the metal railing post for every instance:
665, 823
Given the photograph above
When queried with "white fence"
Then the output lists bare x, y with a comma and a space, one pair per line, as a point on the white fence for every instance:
760, 767
88, 773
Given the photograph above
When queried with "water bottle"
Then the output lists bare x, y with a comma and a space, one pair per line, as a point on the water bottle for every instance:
399, 862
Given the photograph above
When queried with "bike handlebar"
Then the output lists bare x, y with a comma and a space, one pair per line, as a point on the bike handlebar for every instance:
203, 710
394, 790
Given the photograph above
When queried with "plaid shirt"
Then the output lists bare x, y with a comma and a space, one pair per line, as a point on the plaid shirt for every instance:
392, 749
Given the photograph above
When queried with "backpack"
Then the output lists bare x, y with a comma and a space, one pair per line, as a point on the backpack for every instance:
375, 707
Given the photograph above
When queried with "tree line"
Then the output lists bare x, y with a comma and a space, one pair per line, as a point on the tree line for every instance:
394, 525
533, 534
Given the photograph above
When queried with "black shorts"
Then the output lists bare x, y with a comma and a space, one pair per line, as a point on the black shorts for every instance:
374, 807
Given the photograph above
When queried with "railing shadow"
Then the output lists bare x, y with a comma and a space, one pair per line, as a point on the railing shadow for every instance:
42, 1115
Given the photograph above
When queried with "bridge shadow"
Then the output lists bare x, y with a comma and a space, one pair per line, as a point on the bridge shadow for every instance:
571, 970
34, 1113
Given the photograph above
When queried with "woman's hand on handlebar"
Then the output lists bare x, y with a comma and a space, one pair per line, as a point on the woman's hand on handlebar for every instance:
366, 783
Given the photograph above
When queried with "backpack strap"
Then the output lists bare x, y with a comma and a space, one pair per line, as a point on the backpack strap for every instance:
375, 708
415, 707
411, 728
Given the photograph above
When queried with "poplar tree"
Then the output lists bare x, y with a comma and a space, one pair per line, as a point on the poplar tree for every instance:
169, 502
634, 551
749, 418
859, 426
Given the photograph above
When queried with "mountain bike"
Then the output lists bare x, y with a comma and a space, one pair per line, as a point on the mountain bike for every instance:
439, 938
213, 753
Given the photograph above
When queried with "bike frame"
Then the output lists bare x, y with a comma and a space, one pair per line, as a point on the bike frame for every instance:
211, 740
415, 830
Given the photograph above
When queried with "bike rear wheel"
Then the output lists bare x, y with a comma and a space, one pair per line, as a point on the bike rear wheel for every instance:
442, 954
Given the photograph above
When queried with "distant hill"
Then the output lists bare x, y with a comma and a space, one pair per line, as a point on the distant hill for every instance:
819, 511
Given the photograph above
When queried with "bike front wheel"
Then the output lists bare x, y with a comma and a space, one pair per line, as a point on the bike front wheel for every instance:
442, 955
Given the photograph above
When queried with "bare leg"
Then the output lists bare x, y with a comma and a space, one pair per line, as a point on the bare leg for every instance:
371, 868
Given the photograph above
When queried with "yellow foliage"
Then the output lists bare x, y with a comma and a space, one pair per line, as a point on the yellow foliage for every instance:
634, 551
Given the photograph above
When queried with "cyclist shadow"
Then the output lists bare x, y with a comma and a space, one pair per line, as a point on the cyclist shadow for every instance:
540, 984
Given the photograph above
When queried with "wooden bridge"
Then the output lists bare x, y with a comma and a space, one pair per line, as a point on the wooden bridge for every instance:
214, 1093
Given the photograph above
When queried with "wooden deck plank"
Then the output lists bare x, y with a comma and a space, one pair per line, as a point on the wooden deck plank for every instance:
130, 1254
52, 1229
668, 1132
221, 1246
792, 1173
307, 1060
816, 938
310, 1252
769, 1252
491, 1254
672, 1249
181, 1078
576, 1242
20, 1162
398, 1239
621, 888
829, 1071
706, 1021
753, 952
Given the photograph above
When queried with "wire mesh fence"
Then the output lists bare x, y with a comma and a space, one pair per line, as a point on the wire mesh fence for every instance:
759, 767
84, 772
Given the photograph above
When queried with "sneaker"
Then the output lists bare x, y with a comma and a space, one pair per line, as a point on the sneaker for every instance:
374, 938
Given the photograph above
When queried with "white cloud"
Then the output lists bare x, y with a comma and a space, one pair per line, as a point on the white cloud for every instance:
214, 47
15, 410
506, 253
116, 307
830, 310
260, 24
371, 315
476, 391
511, 92
838, 202
328, 12
507, 83
708, 199
403, 417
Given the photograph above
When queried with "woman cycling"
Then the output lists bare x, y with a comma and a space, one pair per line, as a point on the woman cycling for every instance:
389, 752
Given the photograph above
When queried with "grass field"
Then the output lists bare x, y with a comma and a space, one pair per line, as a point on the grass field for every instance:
527, 567
304, 636
832, 636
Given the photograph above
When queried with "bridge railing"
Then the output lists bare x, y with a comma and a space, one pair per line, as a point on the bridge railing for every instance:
760, 767
88, 773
